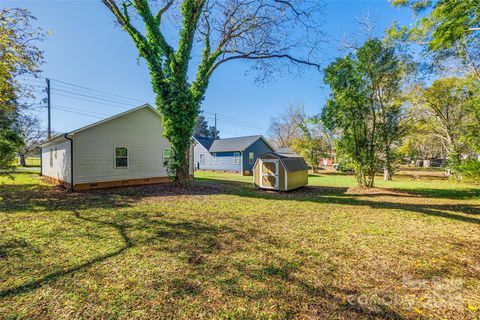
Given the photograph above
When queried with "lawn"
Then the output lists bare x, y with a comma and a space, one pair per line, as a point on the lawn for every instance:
220, 249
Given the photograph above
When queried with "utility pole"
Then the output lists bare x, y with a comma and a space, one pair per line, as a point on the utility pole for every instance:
215, 128
48, 105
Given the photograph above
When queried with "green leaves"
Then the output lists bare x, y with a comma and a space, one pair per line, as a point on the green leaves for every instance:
363, 104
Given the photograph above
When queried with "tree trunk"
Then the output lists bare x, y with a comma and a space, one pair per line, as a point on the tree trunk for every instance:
387, 165
386, 174
23, 160
183, 171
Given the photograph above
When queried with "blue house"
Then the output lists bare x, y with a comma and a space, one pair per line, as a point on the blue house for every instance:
229, 155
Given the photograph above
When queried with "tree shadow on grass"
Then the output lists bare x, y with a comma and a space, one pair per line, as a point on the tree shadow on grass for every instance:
209, 251
35, 284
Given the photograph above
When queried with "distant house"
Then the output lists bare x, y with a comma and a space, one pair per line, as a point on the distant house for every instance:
329, 159
126, 149
229, 155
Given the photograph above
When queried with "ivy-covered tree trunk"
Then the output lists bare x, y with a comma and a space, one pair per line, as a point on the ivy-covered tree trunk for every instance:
226, 30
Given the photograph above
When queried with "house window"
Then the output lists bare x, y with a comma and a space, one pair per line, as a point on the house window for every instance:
202, 159
121, 157
167, 156
236, 156
51, 158
55, 153
214, 155
167, 153
250, 157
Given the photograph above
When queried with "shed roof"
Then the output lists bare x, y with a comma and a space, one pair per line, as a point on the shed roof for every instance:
234, 144
291, 161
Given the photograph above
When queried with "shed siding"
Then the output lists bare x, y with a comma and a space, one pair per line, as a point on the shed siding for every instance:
297, 179
61, 163
139, 131
258, 148
288, 180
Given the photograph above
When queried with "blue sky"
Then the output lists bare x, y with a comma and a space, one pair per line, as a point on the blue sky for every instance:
85, 48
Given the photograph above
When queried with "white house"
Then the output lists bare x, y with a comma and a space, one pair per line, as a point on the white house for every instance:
123, 150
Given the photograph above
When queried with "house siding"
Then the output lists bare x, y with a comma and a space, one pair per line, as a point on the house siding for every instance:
139, 131
224, 161
258, 148
209, 160
61, 168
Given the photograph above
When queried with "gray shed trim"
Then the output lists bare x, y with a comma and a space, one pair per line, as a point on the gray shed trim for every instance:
235, 144
291, 161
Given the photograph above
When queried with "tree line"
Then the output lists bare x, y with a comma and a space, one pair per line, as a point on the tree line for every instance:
385, 105
378, 110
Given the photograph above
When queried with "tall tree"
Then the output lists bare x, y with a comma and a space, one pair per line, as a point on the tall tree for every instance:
444, 108
365, 104
18, 56
311, 144
202, 129
32, 134
263, 31
445, 28
283, 130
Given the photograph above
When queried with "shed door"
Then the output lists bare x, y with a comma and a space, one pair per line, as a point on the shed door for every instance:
269, 173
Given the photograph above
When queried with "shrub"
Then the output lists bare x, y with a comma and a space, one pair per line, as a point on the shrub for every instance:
470, 171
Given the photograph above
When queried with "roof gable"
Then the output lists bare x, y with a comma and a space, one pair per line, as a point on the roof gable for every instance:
144, 106
204, 142
235, 144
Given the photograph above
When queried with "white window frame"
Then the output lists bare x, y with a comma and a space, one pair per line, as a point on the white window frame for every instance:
51, 158
202, 159
214, 155
252, 159
115, 157
236, 155
163, 153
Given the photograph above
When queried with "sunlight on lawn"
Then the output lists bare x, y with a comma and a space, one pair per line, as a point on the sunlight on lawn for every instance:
222, 249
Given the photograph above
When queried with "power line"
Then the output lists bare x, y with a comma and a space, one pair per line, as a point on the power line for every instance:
93, 97
86, 94
83, 110
98, 91
76, 112
93, 101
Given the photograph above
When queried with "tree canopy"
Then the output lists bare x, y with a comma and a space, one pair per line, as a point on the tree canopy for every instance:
18, 56
365, 104
262, 31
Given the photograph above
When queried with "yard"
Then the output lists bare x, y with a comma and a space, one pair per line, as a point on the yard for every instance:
410, 249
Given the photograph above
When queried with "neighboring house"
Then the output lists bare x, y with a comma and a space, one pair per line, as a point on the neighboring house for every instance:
230, 155
329, 159
126, 149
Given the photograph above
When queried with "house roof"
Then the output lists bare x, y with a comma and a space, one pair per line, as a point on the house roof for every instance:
291, 161
205, 142
71, 133
235, 144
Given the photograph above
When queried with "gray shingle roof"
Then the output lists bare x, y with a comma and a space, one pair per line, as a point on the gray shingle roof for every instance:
291, 161
233, 144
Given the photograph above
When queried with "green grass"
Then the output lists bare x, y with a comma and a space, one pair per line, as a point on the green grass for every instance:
30, 162
221, 249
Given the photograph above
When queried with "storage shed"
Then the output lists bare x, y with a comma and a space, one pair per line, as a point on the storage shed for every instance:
280, 171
